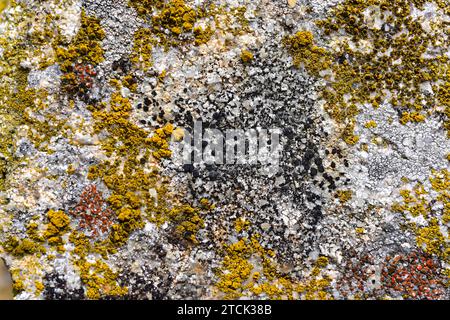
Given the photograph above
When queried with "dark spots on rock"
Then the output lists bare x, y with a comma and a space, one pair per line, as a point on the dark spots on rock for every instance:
341, 59
311, 197
123, 65
288, 132
332, 186
308, 155
145, 108
218, 115
333, 165
147, 101
188, 167
139, 106
313, 172
318, 161
346, 163
56, 288
115, 65
188, 118
213, 175
195, 173
316, 214
143, 122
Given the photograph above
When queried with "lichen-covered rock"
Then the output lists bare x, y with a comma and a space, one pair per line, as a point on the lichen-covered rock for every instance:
239, 149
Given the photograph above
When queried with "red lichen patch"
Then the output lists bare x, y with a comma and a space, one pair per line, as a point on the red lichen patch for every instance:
93, 213
416, 275
360, 279
413, 276
80, 79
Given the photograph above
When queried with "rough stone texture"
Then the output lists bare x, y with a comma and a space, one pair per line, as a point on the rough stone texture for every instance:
297, 212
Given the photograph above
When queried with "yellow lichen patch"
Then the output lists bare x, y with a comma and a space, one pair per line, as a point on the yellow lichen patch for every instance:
143, 44
411, 117
39, 287
370, 124
3, 5
160, 140
241, 224
146, 7
22, 247
348, 133
80, 55
187, 222
250, 270
174, 23
57, 226
131, 178
174, 19
304, 53
413, 202
432, 241
344, 195
246, 56
367, 62
98, 277
430, 237
322, 262
52, 235
85, 47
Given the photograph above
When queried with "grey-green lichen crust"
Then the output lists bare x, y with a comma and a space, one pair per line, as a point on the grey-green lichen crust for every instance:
93, 96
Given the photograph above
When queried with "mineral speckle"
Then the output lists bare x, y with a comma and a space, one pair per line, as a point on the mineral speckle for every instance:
97, 98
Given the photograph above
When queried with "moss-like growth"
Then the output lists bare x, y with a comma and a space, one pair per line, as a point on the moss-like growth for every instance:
305, 53
344, 195
246, 56
20, 247
237, 277
174, 24
81, 55
370, 124
396, 52
57, 226
419, 202
146, 7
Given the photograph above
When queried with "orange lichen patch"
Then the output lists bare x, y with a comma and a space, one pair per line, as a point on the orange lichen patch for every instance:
414, 276
93, 213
